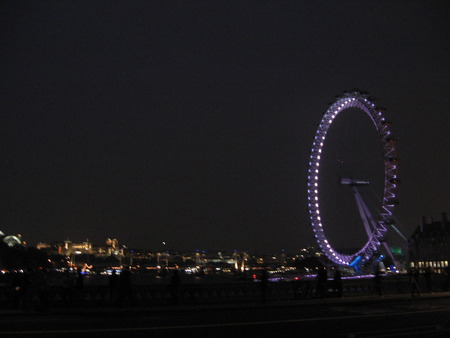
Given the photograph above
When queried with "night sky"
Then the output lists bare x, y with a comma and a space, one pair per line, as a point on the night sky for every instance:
191, 122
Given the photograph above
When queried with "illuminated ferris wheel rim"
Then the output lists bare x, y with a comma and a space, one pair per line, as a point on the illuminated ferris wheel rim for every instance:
362, 102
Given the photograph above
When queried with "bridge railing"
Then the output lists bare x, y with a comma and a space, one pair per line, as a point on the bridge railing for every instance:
55, 296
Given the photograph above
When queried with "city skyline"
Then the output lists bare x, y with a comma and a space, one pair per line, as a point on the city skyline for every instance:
191, 123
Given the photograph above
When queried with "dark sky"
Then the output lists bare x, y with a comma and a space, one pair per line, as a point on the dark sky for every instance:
190, 122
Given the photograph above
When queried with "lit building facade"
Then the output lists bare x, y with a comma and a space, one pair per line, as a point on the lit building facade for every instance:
112, 246
429, 245
68, 248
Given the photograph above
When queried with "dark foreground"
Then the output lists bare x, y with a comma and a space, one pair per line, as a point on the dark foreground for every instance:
366, 316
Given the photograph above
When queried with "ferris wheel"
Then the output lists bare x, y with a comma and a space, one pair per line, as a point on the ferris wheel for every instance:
388, 202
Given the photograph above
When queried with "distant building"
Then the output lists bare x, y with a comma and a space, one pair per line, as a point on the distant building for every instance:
67, 248
112, 246
429, 245
11, 240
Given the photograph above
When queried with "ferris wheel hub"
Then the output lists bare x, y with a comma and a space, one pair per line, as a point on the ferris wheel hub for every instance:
353, 182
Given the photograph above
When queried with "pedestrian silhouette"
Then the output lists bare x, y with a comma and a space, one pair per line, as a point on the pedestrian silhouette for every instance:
16, 287
429, 279
175, 282
43, 287
26, 290
113, 280
321, 286
67, 285
379, 285
80, 280
264, 285
79, 290
125, 289
338, 283
414, 282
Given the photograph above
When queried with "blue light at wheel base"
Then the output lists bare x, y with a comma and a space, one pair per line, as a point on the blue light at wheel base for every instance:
356, 263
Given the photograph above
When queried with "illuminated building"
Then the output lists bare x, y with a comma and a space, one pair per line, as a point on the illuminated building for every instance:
240, 260
68, 248
112, 245
429, 245
42, 246
11, 240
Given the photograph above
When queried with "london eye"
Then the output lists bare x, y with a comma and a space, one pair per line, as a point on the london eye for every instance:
378, 227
